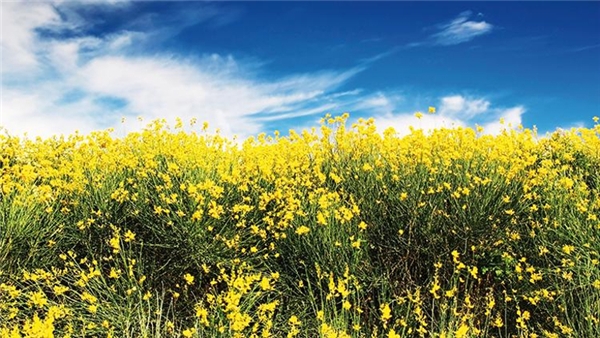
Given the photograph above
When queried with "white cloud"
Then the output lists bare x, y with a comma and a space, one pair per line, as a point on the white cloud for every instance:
214, 88
455, 111
403, 122
86, 72
328, 107
160, 87
34, 114
19, 41
466, 108
507, 119
460, 30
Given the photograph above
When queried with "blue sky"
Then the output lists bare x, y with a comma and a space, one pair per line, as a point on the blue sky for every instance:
250, 67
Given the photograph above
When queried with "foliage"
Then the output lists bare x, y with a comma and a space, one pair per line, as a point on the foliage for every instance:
336, 232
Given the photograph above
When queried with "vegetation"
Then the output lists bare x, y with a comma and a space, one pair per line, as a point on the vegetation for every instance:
339, 232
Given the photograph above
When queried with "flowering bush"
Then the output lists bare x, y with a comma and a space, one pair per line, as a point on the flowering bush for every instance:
339, 232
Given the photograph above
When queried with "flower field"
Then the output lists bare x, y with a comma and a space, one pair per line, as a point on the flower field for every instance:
343, 231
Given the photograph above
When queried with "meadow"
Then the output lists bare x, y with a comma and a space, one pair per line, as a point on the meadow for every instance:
339, 231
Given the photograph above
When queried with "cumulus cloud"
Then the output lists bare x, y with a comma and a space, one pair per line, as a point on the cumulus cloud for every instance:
460, 30
457, 105
455, 111
404, 122
507, 119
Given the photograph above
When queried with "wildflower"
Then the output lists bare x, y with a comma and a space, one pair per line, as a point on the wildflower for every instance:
450, 293
294, 320
129, 236
386, 312
434, 289
189, 279
418, 115
393, 334
362, 226
567, 249
188, 333
431, 110
265, 284
302, 230
498, 322
114, 273
455, 256
473, 271
461, 332
38, 299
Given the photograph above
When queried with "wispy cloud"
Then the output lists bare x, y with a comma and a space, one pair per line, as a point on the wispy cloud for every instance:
89, 82
460, 30
19, 39
584, 48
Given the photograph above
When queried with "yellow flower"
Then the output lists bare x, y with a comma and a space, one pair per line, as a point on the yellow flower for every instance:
473, 271
386, 312
88, 297
59, 289
114, 243
202, 314
188, 333
362, 226
462, 331
129, 236
114, 273
294, 320
393, 334
498, 322
265, 284
455, 256
147, 295
431, 110
434, 289
189, 279
418, 115
568, 249
450, 293
302, 230
38, 299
